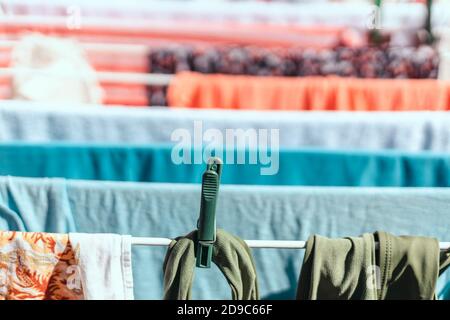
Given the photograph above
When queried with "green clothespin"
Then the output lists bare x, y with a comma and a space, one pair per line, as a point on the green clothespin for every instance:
428, 26
206, 225
375, 34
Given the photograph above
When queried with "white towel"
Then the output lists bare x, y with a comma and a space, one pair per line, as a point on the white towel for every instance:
53, 70
104, 262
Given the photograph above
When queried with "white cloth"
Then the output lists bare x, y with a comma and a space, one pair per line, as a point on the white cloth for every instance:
105, 265
53, 69
444, 52
45, 122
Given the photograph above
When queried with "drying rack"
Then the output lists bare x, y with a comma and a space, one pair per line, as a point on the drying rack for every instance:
207, 222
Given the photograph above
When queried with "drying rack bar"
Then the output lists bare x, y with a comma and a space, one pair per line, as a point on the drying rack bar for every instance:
125, 48
155, 79
268, 244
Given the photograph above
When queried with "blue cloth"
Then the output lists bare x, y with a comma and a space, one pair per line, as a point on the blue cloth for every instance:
296, 167
250, 212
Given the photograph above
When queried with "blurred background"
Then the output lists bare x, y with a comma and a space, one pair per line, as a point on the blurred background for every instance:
124, 47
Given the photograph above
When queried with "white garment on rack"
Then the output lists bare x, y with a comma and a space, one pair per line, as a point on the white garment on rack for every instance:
49, 122
54, 59
104, 262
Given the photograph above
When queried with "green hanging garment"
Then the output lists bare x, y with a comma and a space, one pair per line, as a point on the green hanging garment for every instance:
230, 254
352, 268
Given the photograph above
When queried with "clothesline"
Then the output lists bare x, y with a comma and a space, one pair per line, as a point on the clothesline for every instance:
142, 29
121, 77
132, 48
268, 244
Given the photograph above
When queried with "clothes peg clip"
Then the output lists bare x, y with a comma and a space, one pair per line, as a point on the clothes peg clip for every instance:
206, 225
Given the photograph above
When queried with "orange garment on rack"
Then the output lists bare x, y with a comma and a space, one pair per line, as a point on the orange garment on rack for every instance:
307, 93
38, 266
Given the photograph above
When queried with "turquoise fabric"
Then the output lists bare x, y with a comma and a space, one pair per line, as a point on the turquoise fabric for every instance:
250, 212
296, 167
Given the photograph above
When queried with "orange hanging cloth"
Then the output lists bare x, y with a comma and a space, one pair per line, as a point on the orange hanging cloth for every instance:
74, 266
218, 91
37, 266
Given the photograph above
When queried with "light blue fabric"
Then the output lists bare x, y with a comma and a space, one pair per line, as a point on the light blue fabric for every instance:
250, 212
154, 163
49, 122
445, 292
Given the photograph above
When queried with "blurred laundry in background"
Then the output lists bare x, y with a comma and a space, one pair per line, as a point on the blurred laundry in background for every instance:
54, 70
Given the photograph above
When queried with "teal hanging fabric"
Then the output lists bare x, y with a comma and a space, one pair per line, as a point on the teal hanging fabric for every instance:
156, 163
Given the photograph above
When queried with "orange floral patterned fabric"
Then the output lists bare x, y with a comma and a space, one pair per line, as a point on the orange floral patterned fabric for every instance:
38, 266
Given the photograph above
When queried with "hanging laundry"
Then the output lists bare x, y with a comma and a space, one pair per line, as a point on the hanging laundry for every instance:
64, 206
444, 53
307, 93
230, 254
38, 266
44, 122
361, 62
46, 266
155, 163
403, 267
53, 69
104, 261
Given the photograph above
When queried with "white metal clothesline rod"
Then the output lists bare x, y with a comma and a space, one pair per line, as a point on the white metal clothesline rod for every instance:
87, 22
251, 243
94, 46
155, 79
268, 244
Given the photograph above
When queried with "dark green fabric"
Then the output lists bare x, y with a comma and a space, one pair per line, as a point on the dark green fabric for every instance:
409, 267
231, 255
403, 267
153, 164
337, 269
